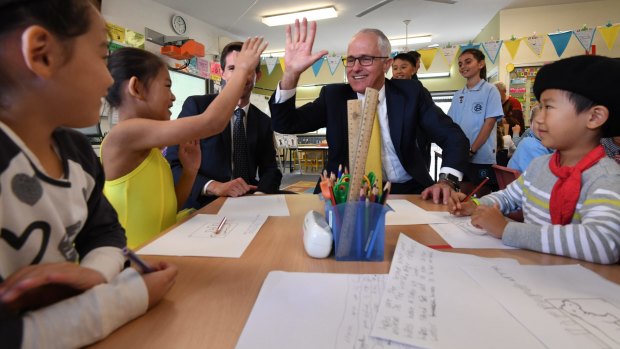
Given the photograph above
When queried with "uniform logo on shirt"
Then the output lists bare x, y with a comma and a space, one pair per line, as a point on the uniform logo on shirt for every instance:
477, 108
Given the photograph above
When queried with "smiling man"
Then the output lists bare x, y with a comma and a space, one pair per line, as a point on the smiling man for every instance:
404, 111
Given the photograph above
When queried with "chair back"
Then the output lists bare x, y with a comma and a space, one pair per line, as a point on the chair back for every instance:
505, 175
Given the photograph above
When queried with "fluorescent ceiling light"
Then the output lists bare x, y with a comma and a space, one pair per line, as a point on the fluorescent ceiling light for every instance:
444, 74
411, 40
273, 54
310, 15
433, 45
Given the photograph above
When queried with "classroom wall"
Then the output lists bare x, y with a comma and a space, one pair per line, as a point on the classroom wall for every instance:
547, 19
138, 14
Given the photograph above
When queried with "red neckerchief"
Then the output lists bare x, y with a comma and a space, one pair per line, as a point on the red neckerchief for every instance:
565, 192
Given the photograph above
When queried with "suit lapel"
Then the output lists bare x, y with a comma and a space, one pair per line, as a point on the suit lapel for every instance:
396, 113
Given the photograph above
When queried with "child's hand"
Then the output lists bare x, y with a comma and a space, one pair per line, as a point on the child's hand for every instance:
249, 56
516, 129
190, 156
40, 285
490, 219
458, 208
159, 282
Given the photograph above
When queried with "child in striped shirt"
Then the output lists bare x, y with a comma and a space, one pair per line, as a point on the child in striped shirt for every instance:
570, 199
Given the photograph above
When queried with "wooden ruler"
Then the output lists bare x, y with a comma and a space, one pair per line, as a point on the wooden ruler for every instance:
360, 129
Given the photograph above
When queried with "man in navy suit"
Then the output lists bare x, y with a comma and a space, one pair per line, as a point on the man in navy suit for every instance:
216, 176
404, 111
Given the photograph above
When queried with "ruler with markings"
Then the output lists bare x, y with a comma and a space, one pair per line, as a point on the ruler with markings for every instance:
360, 129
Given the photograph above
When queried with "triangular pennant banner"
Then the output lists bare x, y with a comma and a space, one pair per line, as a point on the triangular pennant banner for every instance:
513, 46
536, 44
560, 41
281, 60
333, 62
271, 63
609, 34
316, 66
427, 56
449, 53
492, 49
585, 37
470, 45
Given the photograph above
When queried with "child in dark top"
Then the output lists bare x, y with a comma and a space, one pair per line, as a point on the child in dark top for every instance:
54, 215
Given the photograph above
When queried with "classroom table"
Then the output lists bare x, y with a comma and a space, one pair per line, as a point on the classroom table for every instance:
213, 297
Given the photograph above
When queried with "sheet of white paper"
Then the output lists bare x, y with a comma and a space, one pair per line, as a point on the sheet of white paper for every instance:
564, 306
407, 213
253, 205
431, 303
304, 310
196, 237
460, 233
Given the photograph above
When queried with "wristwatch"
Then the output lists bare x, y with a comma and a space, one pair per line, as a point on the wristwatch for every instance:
450, 179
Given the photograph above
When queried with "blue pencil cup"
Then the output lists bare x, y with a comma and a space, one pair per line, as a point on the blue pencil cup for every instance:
358, 229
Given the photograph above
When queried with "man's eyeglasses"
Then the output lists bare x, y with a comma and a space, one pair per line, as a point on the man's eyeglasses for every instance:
364, 60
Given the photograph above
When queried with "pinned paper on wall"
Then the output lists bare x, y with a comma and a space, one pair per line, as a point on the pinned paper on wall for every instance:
216, 71
202, 65
492, 49
427, 56
585, 37
609, 34
134, 39
449, 53
270, 62
560, 40
333, 62
316, 66
536, 44
513, 46
116, 32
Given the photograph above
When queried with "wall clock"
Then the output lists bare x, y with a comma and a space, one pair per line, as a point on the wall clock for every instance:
179, 25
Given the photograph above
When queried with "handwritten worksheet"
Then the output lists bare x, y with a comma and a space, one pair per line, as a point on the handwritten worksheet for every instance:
405, 212
430, 302
304, 310
253, 205
460, 233
564, 306
198, 236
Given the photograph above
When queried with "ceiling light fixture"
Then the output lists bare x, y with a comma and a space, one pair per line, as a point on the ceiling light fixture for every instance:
433, 75
310, 15
411, 40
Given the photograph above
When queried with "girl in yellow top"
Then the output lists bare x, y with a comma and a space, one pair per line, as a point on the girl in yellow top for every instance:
139, 181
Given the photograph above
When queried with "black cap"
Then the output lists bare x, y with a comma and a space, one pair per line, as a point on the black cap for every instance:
594, 77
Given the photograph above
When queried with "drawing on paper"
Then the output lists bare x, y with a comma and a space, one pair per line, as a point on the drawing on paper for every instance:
464, 223
207, 230
592, 316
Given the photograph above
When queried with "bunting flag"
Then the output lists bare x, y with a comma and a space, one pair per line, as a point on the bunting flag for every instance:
281, 60
427, 56
560, 40
536, 44
492, 49
470, 45
333, 61
316, 66
585, 37
271, 63
513, 46
449, 53
609, 33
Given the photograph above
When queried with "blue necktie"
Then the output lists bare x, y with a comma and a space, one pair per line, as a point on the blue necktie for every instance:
240, 148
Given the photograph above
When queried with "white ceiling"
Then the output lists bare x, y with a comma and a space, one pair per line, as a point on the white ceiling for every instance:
456, 23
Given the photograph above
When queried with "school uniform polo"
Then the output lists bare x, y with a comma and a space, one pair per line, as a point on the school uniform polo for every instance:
470, 108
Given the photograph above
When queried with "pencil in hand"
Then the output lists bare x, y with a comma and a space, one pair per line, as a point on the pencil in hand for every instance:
473, 192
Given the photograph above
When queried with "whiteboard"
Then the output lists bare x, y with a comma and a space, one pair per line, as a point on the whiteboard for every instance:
183, 86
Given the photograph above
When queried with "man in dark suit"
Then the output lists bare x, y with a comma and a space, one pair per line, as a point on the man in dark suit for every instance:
231, 159
404, 110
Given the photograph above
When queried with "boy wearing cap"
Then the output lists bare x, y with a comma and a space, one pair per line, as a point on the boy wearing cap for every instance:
570, 199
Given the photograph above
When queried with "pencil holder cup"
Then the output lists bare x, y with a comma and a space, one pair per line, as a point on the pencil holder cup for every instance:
358, 229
